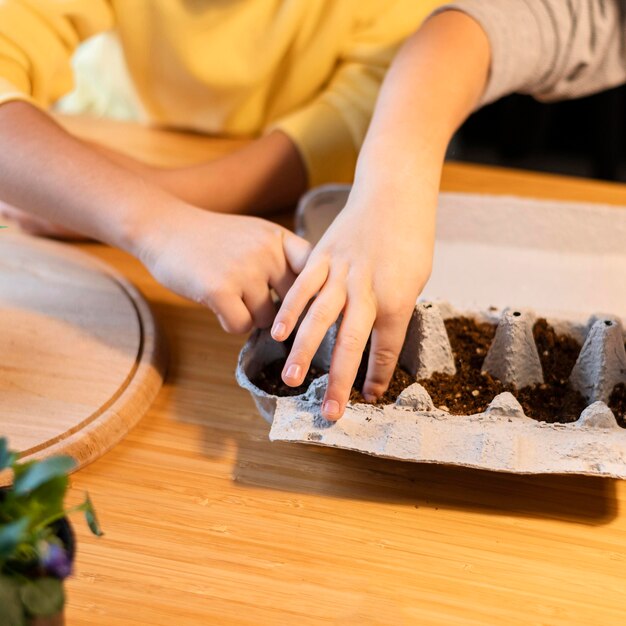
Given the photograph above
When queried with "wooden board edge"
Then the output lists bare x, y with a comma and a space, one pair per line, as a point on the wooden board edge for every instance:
112, 425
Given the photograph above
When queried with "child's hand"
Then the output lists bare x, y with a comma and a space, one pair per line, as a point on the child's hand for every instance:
226, 262
371, 264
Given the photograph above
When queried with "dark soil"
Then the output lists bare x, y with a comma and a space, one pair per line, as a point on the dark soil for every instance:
617, 403
399, 382
470, 390
558, 353
555, 400
269, 380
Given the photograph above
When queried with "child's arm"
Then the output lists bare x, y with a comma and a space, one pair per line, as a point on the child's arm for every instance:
374, 260
376, 257
225, 262
263, 177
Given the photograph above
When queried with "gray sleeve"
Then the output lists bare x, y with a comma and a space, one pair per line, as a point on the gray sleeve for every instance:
551, 49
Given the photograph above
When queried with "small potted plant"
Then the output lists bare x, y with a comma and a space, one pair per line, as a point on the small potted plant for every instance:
36, 539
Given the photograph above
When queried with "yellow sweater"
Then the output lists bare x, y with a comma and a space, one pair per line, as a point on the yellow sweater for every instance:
311, 68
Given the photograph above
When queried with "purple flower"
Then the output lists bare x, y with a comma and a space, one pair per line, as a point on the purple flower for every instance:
56, 561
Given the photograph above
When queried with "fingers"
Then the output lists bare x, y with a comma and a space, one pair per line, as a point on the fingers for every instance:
282, 281
254, 306
233, 314
321, 315
289, 260
304, 288
297, 251
260, 306
356, 326
386, 344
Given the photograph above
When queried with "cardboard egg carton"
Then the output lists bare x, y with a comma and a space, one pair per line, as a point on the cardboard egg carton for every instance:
502, 438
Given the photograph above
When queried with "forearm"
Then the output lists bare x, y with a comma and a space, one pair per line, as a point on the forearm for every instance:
146, 171
59, 178
433, 85
265, 176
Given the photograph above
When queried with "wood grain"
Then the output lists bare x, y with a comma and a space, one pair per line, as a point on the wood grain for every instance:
81, 358
207, 522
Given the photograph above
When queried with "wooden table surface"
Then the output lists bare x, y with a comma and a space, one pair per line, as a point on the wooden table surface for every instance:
207, 522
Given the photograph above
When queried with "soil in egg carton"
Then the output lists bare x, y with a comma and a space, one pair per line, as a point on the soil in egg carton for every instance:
269, 379
470, 390
617, 403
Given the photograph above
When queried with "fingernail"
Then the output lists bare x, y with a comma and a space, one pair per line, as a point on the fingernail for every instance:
278, 330
369, 397
330, 408
293, 371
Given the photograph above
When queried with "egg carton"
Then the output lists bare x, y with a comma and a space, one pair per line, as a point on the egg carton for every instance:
502, 438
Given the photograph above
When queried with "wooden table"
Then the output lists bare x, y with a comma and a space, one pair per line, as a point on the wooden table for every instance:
207, 522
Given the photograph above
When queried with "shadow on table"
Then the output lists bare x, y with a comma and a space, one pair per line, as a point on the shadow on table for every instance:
345, 474
301, 468
229, 420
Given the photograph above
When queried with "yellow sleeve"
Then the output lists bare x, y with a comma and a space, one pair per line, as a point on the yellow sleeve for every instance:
37, 41
329, 131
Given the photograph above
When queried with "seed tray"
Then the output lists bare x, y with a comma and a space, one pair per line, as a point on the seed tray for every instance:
563, 260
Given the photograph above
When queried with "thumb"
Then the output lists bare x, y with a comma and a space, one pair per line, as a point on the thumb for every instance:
297, 251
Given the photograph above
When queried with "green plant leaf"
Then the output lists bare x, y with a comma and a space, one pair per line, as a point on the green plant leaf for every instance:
11, 535
7, 458
43, 597
91, 517
46, 501
11, 612
32, 475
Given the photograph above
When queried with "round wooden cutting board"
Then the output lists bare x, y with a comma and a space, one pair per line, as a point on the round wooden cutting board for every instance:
80, 356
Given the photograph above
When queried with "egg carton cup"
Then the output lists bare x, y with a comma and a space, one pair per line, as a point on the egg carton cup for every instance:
502, 438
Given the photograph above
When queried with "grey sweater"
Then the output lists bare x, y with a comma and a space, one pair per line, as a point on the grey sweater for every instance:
551, 49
